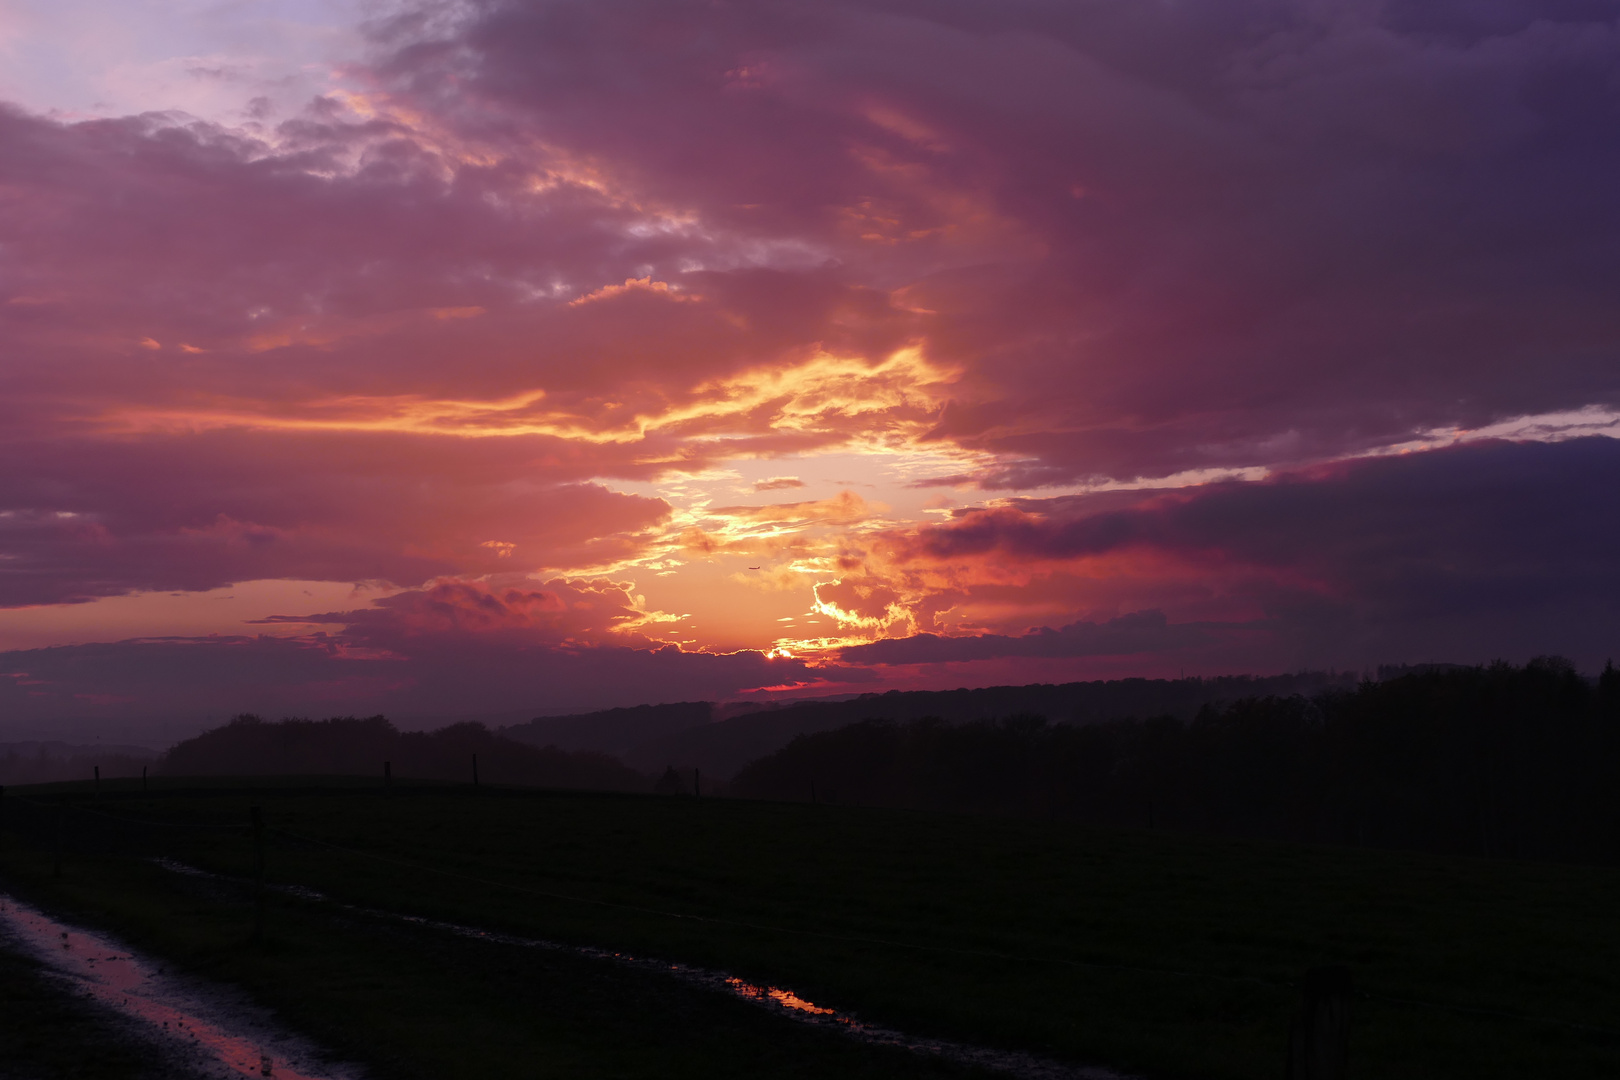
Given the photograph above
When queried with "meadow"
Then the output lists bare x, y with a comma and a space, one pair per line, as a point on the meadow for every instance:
1155, 954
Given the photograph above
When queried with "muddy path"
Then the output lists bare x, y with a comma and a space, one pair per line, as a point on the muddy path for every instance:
197, 1027
781, 1001
154, 1022
47, 1032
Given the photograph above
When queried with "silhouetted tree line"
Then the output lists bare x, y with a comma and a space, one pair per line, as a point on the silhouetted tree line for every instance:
1498, 760
1077, 702
721, 739
346, 746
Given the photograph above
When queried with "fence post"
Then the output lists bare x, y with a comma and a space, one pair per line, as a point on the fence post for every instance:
98, 780
388, 774
256, 815
475, 770
61, 823
143, 779
697, 782
1319, 1041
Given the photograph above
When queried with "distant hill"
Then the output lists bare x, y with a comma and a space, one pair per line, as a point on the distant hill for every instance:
346, 746
700, 734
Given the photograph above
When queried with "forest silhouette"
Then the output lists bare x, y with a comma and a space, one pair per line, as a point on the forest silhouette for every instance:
1497, 761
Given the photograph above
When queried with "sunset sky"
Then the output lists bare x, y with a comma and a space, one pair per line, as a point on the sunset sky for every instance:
502, 358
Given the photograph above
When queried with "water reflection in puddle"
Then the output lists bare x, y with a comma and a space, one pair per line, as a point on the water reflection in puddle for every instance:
179, 1018
781, 1001
785, 998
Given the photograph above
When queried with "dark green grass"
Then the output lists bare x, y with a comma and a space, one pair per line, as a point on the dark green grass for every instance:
1167, 955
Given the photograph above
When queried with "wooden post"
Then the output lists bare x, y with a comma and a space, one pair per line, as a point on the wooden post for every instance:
697, 782
388, 774
475, 770
61, 816
256, 817
1319, 1041
812, 793
98, 780
143, 779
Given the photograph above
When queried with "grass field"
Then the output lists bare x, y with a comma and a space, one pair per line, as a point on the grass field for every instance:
1168, 956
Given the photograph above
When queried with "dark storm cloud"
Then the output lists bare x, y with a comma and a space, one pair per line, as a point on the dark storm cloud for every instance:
1127, 635
1473, 551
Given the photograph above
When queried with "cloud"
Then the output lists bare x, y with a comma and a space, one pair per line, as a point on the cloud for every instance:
1485, 550
1154, 239
104, 516
844, 508
186, 680
857, 600
1471, 552
1126, 635
454, 648
542, 264
558, 611
778, 483
645, 284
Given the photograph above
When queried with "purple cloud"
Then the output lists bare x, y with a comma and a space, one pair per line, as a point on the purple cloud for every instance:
1469, 553
1127, 635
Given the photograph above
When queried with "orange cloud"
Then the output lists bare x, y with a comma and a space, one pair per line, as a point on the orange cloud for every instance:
778, 483
845, 508
645, 284
862, 602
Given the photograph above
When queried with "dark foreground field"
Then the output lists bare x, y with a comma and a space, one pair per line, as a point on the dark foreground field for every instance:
1165, 956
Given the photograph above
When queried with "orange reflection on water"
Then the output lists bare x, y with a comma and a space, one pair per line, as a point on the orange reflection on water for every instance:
786, 998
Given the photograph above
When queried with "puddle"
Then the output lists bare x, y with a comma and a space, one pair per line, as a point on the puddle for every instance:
192, 1026
781, 1001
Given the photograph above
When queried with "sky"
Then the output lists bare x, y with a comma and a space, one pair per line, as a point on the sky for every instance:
515, 357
